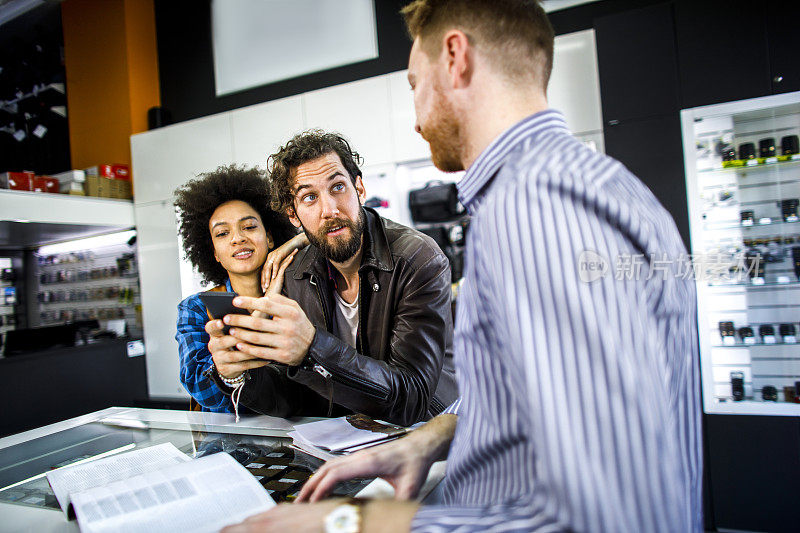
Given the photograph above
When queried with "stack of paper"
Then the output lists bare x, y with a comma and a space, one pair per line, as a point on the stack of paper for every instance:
340, 436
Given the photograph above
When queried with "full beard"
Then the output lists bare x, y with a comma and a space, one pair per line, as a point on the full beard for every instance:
443, 135
339, 249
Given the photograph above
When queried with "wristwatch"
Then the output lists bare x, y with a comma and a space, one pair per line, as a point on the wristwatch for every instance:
345, 518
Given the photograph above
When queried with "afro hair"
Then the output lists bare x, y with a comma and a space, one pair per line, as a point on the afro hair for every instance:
197, 200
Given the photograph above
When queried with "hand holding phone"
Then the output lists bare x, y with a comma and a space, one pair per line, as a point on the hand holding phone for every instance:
220, 304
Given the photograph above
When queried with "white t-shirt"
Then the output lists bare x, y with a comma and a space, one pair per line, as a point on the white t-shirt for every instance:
347, 319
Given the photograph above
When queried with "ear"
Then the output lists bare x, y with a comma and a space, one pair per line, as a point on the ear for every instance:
270, 240
458, 57
216, 257
290, 213
361, 190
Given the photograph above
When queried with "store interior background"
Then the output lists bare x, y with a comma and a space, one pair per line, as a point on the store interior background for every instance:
624, 69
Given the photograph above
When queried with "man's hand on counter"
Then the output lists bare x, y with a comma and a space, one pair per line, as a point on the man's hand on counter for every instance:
404, 463
284, 338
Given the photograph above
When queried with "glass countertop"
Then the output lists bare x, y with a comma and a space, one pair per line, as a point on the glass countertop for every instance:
253, 441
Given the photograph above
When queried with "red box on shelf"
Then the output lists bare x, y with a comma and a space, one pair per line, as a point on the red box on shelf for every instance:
45, 184
18, 181
112, 172
106, 171
121, 172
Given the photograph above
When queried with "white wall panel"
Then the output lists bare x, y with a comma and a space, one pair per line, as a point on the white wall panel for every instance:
161, 292
258, 130
408, 144
166, 157
575, 84
358, 110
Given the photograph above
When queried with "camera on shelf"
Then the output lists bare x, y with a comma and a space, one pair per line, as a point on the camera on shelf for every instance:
737, 386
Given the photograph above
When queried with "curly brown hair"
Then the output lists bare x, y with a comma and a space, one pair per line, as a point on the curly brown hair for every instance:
300, 149
197, 200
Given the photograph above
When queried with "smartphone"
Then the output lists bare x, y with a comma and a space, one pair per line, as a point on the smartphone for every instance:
220, 304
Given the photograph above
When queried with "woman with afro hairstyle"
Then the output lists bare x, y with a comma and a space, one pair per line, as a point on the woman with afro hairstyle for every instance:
228, 231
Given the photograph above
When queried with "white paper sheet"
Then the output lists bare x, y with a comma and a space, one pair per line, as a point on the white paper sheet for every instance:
337, 434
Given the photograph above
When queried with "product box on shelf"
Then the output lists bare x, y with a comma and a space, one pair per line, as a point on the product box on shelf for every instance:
71, 182
18, 181
114, 172
121, 189
122, 172
98, 186
45, 184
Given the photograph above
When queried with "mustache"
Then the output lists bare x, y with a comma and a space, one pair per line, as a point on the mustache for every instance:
335, 223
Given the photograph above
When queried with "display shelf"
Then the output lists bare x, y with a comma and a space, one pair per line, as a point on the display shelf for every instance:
97, 283
755, 345
766, 285
792, 163
754, 407
65, 209
715, 196
727, 225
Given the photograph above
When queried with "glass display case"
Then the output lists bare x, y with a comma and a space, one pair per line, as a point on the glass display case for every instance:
743, 187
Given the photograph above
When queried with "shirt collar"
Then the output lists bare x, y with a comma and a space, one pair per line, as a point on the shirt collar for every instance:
483, 169
228, 285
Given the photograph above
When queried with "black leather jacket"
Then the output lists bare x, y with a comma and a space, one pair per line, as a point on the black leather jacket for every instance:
401, 370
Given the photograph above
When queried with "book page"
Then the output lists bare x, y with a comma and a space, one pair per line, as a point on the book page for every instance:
202, 495
69, 480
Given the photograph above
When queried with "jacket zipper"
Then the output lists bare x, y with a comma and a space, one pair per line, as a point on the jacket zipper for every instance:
437, 405
360, 314
348, 379
318, 368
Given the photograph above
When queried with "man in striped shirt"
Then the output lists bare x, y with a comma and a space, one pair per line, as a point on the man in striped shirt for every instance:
579, 382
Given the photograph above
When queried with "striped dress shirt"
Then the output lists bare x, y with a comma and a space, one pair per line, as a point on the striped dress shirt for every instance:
580, 397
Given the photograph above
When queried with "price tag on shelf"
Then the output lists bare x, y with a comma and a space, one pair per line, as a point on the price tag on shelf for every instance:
765, 221
749, 340
757, 281
791, 218
729, 341
135, 348
752, 162
783, 279
748, 222
769, 339
771, 160
796, 157
790, 339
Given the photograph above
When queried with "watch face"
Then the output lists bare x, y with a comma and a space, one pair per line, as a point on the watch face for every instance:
344, 519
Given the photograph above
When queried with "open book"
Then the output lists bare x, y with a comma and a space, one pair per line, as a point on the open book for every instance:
340, 436
158, 489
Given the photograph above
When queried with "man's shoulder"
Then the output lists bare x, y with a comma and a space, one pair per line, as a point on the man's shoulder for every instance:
411, 245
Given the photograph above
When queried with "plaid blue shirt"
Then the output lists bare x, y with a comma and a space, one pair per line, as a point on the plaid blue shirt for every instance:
195, 357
